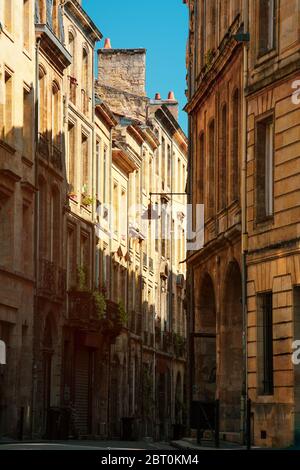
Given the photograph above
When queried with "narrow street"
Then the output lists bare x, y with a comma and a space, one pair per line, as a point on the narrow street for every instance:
86, 445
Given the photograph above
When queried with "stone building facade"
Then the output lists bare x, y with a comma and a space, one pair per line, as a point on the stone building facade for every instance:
91, 304
244, 134
148, 355
17, 203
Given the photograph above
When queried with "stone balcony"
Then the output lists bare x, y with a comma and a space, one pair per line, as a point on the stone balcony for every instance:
51, 280
84, 314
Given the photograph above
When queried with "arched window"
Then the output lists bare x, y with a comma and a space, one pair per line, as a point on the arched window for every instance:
55, 225
56, 114
85, 68
235, 146
222, 183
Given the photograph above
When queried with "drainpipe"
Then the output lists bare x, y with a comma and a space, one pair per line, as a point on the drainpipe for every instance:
244, 212
36, 231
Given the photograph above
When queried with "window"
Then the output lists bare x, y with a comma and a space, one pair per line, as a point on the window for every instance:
8, 107
26, 23
56, 130
26, 238
267, 25
150, 174
163, 160
42, 100
203, 34
6, 230
222, 183
71, 151
85, 163
71, 258
265, 344
85, 256
211, 169
8, 15
104, 174
42, 219
98, 171
200, 168
116, 207
264, 168
235, 146
104, 266
55, 226
27, 127
123, 221
84, 81
169, 166
73, 81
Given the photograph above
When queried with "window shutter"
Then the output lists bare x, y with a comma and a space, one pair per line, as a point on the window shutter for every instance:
49, 13
61, 24
37, 18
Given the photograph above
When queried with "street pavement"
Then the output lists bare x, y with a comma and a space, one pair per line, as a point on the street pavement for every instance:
84, 445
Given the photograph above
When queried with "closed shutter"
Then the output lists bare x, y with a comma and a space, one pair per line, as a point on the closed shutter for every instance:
82, 391
49, 12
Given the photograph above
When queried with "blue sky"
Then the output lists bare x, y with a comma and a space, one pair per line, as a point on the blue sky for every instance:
160, 26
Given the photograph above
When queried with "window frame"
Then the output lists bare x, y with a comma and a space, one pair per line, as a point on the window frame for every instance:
265, 349
267, 117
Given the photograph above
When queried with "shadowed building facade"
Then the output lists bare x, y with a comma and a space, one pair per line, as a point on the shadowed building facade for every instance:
243, 63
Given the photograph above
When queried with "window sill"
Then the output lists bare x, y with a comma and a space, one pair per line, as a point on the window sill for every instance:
265, 222
27, 54
8, 34
6, 146
264, 57
27, 161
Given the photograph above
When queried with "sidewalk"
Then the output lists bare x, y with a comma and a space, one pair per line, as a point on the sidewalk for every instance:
188, 443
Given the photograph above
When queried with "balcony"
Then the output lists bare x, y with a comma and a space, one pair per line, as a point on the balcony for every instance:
82, 309
84, 314
167, 342
111, 323
52, 280
43, 147
179, 343
50, 152
56, 157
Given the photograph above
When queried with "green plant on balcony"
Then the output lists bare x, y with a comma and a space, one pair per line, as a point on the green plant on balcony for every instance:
100, 304
86, 200
82, 278
123, 315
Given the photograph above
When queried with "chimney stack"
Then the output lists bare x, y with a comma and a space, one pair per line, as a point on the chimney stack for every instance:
107, 44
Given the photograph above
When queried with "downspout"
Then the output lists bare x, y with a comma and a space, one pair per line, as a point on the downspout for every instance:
171, 313
189, 291
36, 228
244, 212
